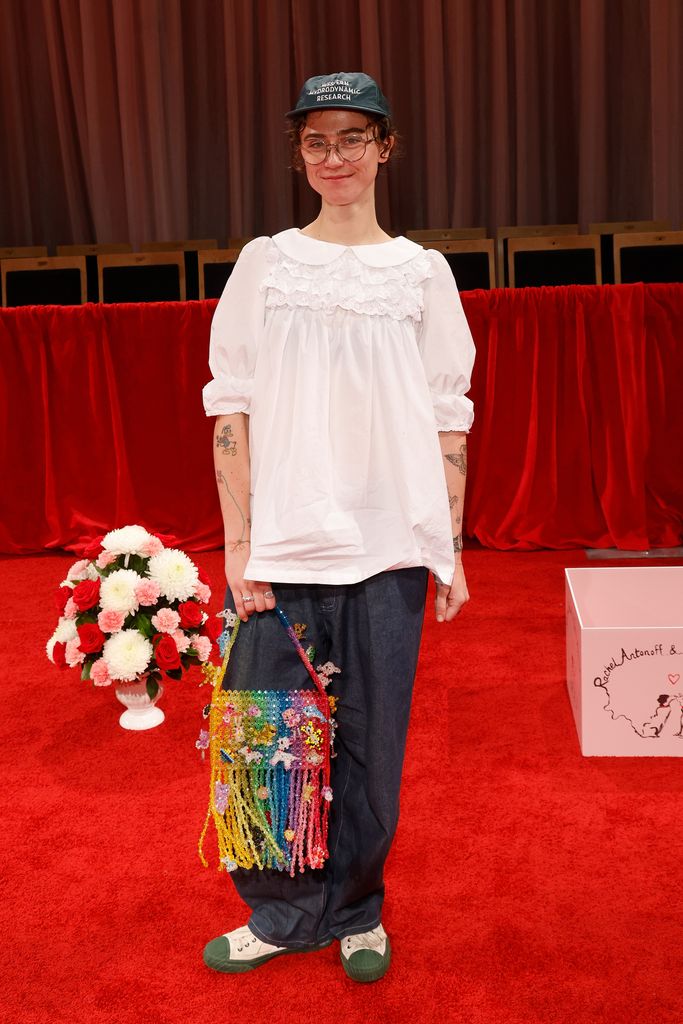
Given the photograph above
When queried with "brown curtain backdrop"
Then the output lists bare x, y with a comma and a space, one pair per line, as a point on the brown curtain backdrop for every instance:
137, 120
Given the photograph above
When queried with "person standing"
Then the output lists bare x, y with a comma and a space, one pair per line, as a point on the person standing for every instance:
341, 359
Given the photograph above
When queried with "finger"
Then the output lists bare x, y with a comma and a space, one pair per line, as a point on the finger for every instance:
454, 604
440, 602
269, 597
256, 590
237, 589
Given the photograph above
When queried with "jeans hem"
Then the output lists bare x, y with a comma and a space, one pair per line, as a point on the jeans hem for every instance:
288, 945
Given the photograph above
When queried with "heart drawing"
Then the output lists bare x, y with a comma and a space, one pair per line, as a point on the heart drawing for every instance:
673, 678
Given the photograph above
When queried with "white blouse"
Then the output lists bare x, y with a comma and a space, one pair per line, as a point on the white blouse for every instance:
348, 361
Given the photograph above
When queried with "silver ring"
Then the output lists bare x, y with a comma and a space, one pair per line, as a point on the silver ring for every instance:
268, 593
245, 598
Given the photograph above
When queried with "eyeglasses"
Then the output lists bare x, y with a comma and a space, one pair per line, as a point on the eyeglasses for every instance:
349, 148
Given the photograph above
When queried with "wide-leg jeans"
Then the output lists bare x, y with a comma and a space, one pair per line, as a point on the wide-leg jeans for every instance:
371, 630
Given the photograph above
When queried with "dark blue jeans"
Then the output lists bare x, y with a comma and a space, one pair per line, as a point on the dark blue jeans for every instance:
371, 630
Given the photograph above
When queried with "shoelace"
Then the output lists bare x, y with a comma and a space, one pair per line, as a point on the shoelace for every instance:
366, 940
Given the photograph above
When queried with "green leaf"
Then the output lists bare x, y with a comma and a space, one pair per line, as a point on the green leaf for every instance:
152, 688
85, 670
174, 673
143, 624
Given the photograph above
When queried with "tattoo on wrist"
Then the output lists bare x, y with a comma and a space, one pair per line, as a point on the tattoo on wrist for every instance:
236, 545
458, 459
226, 442
246, 522
457, 543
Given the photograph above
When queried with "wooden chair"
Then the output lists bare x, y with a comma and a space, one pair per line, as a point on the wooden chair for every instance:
607, 230
190, 247
653, 256
525, 231
16, 252
43, 281
91, 252
445, 234
141, 277
214, 268
564, 259
471, 260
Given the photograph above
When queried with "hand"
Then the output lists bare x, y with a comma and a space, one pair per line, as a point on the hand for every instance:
449, 600
241, 588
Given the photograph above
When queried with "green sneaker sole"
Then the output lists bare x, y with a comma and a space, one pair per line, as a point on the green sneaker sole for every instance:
366, 965
216, 956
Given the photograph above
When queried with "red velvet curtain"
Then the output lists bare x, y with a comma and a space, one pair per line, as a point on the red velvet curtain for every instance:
578, 436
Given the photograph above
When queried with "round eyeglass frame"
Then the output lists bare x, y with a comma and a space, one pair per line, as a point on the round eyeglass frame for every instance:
329, 146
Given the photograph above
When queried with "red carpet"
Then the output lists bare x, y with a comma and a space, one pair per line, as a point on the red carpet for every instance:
526, 884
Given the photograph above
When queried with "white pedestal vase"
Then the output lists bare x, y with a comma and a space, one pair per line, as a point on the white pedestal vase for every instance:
140, 712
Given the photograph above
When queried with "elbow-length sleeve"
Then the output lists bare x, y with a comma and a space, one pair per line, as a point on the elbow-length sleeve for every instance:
447, 349
236, 330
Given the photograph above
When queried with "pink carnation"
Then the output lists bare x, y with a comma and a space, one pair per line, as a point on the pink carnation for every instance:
70, 609
72, 653
105, 558
78, 570
99, 673
202, 592
147, 592
182, 640
202, 646
151, 547
166, 620
110, 621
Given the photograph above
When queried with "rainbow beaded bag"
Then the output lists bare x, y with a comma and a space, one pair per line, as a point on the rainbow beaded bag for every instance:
270, 768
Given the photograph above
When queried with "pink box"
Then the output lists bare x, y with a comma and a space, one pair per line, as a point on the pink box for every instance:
625, 659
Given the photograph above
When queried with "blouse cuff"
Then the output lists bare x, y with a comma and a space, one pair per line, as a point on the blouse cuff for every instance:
453, 412
225, 395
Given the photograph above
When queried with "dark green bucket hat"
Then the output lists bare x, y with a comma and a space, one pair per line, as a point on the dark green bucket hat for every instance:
344, 90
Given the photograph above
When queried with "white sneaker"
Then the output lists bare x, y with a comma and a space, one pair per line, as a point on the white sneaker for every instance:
241, 950
366, 957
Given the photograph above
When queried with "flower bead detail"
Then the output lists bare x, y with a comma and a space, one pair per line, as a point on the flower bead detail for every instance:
263, 792
290, 835
327, 793
222, 792
203, 742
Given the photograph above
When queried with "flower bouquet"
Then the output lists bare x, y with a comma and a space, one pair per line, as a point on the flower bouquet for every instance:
132, 611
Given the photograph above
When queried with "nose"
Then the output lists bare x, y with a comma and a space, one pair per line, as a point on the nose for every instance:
332, 156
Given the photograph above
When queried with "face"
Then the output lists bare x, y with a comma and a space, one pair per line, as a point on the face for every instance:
340, 182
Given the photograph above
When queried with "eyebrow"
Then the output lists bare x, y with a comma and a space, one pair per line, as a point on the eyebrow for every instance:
343, 131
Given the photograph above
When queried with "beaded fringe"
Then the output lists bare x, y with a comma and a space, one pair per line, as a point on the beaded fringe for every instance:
270, 772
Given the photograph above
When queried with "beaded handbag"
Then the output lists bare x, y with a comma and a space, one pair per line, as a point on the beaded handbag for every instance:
270, 769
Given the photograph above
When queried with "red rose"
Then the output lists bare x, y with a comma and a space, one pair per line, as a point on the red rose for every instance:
204, 577
166, 652
93, 547
59, 655
62, 595
91, 638
86, 594
190, 614
213, 627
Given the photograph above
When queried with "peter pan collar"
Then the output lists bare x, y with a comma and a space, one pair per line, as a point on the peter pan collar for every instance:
312, 251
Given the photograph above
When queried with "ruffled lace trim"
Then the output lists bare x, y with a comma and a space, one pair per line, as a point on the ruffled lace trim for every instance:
347, 283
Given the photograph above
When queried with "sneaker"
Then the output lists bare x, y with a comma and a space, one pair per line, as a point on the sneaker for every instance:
366, 957
241, 950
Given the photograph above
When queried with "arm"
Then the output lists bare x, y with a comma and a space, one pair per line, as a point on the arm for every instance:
232, 464
449, 600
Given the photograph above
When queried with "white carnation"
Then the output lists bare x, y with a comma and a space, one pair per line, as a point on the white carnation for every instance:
127, 654
65, 631
117, 592
175, 573
129, 540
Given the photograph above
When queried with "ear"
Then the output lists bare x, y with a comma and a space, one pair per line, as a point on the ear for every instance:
386, 148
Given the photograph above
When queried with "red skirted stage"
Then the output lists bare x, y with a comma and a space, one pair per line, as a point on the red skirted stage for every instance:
578, 435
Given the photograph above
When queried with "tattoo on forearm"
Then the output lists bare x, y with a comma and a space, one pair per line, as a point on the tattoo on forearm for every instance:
246, 521
458, 459
453, 500
457, 543
226, 442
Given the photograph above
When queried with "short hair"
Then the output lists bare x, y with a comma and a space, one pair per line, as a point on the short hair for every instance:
384, 131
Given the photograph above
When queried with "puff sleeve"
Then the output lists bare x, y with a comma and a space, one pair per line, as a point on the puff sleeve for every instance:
447, 349
236, 331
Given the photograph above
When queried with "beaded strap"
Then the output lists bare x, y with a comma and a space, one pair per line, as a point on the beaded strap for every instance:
299, 648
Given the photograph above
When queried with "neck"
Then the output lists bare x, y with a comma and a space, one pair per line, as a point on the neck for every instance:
354, 224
